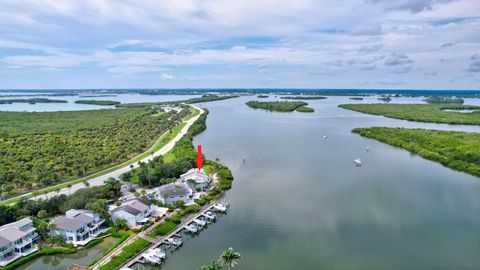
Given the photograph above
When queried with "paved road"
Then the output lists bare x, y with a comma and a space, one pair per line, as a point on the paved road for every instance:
97, 181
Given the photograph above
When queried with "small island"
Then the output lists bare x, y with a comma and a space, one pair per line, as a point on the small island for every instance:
303, 97
356, 98
98, 102
444, 100
262, 96
31, 100
385, 99
280, 106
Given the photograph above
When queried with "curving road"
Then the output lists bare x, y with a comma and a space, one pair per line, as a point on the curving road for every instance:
97, 181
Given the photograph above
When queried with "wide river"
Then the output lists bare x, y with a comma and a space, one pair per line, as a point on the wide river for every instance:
299, 202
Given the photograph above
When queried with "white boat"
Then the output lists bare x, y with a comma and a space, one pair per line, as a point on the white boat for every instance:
325, 137
368, 148
220, 207
150, 257
200, 223
158, 253
358, 162
174, 241
191, 228
210, 216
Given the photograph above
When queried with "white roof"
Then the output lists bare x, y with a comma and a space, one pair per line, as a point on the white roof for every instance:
199, 176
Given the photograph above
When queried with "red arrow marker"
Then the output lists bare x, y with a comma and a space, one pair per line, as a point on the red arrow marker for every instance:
199, 157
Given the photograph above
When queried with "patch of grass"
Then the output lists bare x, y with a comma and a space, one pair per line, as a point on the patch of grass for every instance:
165, 228
305, 109
128, 252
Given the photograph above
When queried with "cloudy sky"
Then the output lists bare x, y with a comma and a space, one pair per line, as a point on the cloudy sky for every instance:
401, 44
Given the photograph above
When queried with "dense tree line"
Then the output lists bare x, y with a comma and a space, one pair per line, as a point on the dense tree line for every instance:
204, 98
158, 172
93, 198
55, 149
277, 106
457, 150
434, 113
31, 100
97, 102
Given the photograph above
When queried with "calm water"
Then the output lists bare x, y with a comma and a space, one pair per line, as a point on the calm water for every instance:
63, 261
298, 202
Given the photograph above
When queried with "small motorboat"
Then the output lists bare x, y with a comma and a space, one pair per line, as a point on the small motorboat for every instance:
368, 148
210, 216
220, 207
358, 162
200, 223
150, 257
174, 241
158, 253
191, 228
325, 137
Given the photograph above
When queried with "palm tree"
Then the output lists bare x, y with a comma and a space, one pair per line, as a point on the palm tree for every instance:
69, 186
230, 258
214, 266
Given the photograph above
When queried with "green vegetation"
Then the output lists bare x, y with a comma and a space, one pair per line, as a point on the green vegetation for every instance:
128, 252
356, 98
303, 97
262, 96
443, 100
453, 149
228, 258
120, 235
434, 113
165, 228
32, 100
98, 102
305, 109
204, 98
41, 149
385, 99
277, 106
41, 252
87, 198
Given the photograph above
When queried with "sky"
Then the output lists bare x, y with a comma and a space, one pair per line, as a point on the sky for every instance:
378, 44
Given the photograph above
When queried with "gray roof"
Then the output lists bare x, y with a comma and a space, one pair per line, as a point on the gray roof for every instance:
4, 241
12, 234
17, 224
174, 190
72, 224
129, 209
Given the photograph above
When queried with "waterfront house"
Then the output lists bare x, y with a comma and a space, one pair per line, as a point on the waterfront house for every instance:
173, 192
78, 226
136, 211
196, 179
17, 240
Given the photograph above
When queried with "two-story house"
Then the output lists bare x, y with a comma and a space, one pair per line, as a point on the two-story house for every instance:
17, 240
196, 179
136, 211
78, 226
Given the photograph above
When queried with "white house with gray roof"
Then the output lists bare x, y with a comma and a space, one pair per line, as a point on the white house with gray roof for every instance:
136, 211
78, 226
196, 179
17, 240
178, 191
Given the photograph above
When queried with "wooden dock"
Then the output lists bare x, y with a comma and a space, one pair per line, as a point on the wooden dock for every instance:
161, 240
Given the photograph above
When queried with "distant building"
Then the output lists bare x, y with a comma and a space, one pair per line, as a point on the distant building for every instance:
78, 226
196, 179
173, 192
17, 240
136, 211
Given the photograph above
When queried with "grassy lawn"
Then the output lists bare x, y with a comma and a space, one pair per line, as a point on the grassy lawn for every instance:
453, 149
128, 252
434, 113
161, 142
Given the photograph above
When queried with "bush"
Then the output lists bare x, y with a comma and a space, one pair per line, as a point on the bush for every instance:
165, 228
